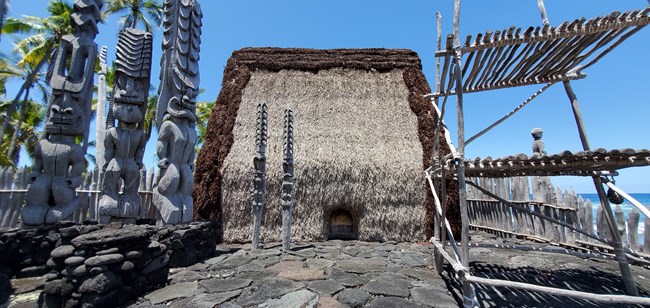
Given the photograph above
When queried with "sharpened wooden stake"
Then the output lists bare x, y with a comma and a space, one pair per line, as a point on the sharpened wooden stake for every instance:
633, 229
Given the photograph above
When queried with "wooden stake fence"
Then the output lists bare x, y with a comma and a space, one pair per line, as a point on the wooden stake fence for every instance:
492, 215
14, 185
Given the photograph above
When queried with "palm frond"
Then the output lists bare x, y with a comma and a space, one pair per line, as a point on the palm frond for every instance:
145, 21
155, 11
20, 26
59, 8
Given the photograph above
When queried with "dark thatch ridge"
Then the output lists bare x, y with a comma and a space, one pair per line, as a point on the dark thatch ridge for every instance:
208, 176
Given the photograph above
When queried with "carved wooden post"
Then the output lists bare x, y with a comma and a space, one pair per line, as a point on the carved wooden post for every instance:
259, 172
124, 143
100, 116
176, 112
287, 181
59, 159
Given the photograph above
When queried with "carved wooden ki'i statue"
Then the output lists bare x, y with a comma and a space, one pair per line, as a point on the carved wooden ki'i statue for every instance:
287, 180
538, 144
124, 144
176, 113
259, 172
59, 159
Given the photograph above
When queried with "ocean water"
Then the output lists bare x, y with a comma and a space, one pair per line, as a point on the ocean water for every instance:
643, 198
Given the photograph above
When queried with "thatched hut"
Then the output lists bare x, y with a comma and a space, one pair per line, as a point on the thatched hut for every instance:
363, 136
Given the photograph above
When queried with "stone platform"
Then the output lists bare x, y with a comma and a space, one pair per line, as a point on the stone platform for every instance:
363, 274
329, 274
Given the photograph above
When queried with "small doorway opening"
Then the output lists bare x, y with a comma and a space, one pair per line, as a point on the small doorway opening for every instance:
341, 226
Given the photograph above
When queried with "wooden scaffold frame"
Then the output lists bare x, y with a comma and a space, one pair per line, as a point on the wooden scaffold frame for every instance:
513, 58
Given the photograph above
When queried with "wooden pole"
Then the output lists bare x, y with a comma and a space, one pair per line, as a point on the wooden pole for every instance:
468, 293
627, 197
511, 113
438, 47
438, 218
457, 23
438, 130
616, 238
542, 11
577, 114
443, 221
618, 299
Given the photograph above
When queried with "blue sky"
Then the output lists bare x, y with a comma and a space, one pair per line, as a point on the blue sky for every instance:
614, 97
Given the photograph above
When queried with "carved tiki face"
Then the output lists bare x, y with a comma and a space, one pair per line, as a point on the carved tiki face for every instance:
184, 108
65, 116
71, 82
128, 112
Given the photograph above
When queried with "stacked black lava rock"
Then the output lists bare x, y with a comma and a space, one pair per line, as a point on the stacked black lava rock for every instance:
107, 267
24, 252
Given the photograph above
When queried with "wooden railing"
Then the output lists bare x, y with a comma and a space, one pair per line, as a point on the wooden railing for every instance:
569, 217
14, 185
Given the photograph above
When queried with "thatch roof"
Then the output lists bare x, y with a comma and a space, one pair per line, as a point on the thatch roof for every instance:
363, 136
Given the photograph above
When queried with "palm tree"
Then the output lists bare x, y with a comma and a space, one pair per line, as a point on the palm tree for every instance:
32, 120
25, 69
7, 72
203, 112
150, 115
4, 5
137, 11
46, 34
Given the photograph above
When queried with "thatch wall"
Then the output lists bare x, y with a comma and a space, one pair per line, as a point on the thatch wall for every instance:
363, 135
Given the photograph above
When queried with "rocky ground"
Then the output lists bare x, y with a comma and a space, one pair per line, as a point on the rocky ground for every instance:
362, 274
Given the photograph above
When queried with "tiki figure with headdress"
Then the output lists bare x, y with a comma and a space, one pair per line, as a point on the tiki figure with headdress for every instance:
176, 114
125, 143
59, 158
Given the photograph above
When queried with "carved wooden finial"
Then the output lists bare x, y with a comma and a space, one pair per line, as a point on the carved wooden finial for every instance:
287, 180
102, 60
259, 171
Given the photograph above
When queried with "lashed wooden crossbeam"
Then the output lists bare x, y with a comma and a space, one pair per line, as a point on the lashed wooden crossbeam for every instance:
583, 163
515, 57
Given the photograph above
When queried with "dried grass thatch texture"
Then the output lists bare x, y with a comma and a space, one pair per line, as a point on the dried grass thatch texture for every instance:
351, 152
210, 174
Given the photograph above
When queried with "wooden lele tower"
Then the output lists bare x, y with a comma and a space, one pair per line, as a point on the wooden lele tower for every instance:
512, 58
